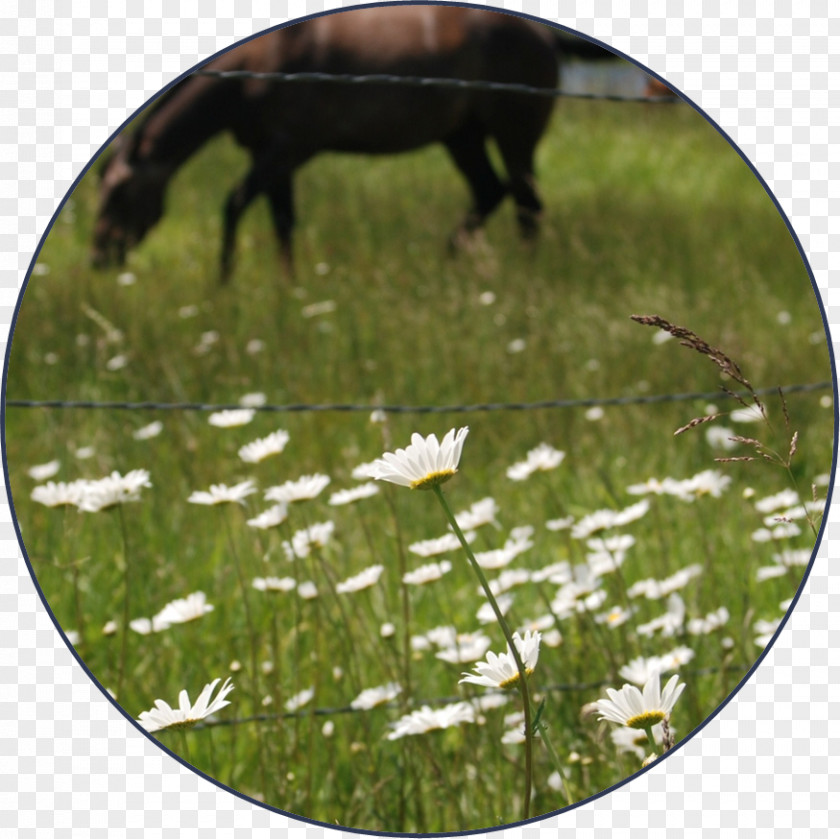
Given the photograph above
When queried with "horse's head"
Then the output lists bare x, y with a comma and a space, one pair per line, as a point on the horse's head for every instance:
130, 203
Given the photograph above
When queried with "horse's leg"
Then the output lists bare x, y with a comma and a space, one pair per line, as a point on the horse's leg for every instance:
281, 201
517, 150
469, 152
237, 202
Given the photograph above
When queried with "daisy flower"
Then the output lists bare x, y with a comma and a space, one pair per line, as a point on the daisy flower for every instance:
426, 719
232, 417
185, 609
444, 544
635, 742
604, 519
265, 447
148, 431
372, 697
303, 489
307, 590
44, 470
273, 583
272, 517
349, 496
314, 536
425, 463
364, 471
481, 513
364, 579
641, 709
113, 490
427, 573
300, 699
540, 459
465, 648
252, 400
163, 716
712, 621
59, 494
223, 494
500, 671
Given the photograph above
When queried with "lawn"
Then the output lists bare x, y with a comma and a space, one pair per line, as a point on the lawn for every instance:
648, 211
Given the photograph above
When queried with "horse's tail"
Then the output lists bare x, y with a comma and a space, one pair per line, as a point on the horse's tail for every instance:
578, 46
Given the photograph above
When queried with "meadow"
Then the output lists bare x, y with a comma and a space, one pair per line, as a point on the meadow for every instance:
648, 211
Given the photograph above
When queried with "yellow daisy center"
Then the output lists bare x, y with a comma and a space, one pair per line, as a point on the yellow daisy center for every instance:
433, 479
515, 678
646, 720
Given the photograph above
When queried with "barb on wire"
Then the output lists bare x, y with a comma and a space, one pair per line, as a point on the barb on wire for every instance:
408, 409
424, 82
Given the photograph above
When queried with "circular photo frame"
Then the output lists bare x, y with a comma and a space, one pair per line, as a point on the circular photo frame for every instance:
419, 419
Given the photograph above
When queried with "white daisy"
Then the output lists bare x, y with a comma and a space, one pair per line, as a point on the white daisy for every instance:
314, 536
232, 417
185, 609
443, 544
426, 719
500, 671
425, 463
272, 517
113, 490
300, 699
59, 494
307, 590
303, 489
252, 400
163, 716
362, 580
540, 459
712, 621
223, 494
364, 471
641, 709
486, 614
605, 519
785, 498
371, 697
259, 450
635, 742
44, 470
427, 573
273, 584
481, 513
349, 496
465, 648
148, 431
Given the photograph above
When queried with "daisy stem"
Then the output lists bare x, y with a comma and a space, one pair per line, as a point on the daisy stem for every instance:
555, 758
126, 605
522, 682
651, 741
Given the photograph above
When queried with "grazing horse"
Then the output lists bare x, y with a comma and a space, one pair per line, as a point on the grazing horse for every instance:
284, 124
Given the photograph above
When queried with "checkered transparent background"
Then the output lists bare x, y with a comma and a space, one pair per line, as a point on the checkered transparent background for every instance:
71, 765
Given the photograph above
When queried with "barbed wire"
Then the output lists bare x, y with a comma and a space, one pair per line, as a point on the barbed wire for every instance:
429, 82
569, 687
610, 401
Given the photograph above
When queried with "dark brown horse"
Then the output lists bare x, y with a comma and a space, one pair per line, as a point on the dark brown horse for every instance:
283, 124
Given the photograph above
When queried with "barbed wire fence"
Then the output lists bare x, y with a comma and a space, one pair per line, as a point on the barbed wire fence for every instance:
610, 401
557, 687
431, 83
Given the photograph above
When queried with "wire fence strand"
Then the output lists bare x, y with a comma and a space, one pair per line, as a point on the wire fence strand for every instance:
380, 79
611, 401
571, 687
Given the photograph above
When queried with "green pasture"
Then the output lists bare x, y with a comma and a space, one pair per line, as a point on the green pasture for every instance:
648, 211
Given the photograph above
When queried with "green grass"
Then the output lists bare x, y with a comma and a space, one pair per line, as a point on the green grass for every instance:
648, 210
